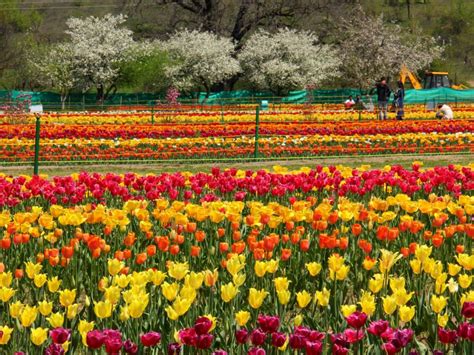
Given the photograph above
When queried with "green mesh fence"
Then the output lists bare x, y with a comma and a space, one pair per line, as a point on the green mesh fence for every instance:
51, 101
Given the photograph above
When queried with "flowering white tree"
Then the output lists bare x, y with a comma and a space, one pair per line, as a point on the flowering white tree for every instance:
55, 68
287, 60
99, 46
370, 49
199, 60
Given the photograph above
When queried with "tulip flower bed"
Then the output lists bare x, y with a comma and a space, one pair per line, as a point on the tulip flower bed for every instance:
280, 113
330, 259
237, 140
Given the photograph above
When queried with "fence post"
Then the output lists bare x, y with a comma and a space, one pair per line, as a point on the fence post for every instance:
37, 141
222, 113
152, 113
257, 122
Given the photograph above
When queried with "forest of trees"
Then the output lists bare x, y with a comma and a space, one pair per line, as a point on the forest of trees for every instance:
32, 33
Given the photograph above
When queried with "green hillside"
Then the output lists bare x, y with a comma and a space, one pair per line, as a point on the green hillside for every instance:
26, 23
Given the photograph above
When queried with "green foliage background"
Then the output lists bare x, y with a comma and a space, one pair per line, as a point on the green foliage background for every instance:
25, 25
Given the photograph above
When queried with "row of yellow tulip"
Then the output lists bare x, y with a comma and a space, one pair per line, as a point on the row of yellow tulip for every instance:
225, 116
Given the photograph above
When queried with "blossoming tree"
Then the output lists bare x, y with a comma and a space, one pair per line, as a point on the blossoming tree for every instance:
371, 49
287, 60
99, 47
200, 60
55, 68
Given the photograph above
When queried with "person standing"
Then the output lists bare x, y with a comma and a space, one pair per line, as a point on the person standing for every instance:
399, 97
383, 94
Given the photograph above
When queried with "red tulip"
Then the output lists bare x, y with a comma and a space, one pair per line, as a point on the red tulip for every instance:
59, 335
468, 310
202, 325
357, 319
95, 339
447, 336
150, 338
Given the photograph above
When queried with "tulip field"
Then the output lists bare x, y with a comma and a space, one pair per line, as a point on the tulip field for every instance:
315, 260
312, 261
211, 135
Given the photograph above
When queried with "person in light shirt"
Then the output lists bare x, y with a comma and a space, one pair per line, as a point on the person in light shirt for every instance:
444, 112
349, 103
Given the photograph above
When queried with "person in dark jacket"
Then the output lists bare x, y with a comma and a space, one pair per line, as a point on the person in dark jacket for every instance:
399, 97
383, 94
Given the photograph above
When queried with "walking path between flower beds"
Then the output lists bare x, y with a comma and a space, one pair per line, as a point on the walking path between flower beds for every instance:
140, 168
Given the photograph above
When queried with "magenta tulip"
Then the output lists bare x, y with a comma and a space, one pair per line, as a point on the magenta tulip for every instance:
150, 338
468, 310
59, 335
357, 319
95, 339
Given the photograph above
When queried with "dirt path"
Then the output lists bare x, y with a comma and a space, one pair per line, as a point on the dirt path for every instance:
376, 162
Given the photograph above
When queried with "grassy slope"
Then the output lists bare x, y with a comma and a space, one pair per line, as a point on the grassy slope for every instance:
375, 162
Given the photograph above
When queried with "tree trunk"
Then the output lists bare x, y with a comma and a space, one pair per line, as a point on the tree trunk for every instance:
63, 100
100, 94
112, 88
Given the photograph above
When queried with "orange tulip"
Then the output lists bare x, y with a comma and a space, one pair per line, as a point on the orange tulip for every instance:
174, 249
285, 254
236, 235
356, 229
127, 253
191, 227
295, 238
405, 252
179, 238
195, 250
55, 261
393, 233
130, 239
223, 247
365, 245
140, 258
119, 255
220, 232
238, 247
427, 235
333, 217
39, 258
268, 243
249, 220
382, 233
258, 254
151, 250
437, 240
67, 252
363, 215
95, 253
200, 236
304, 245
343, 243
